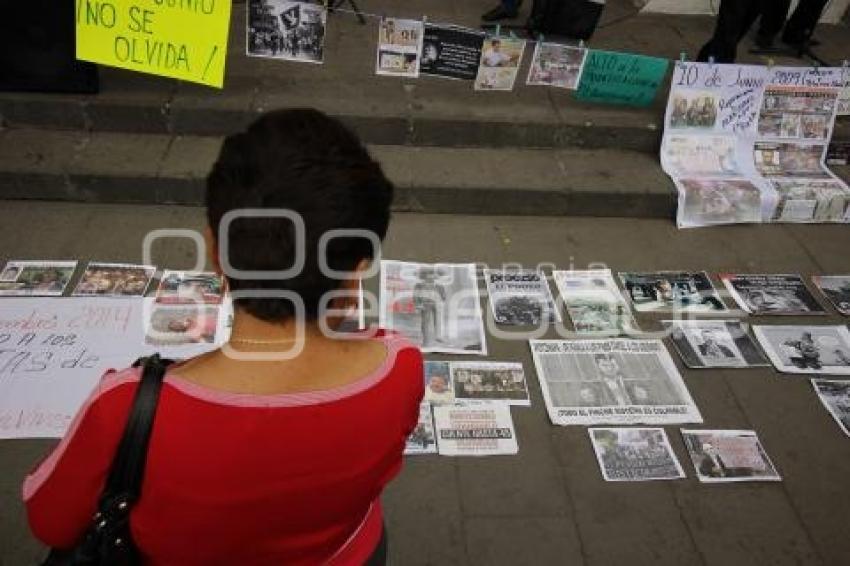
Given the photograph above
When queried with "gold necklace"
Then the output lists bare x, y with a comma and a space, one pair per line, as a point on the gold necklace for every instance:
250, 341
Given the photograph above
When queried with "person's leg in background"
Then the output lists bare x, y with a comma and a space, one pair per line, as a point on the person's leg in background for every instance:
734, 19
506, 10
773, 15
802, 23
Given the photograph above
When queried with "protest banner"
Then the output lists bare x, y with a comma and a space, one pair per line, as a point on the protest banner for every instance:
620, 78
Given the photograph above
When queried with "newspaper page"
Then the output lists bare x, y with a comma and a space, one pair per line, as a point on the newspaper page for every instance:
672, 291
114, 280
706, 149
594, 302
554, 64
520, 297
835, 396
728, 456
399, 46
843, 107
438, 383
190, 288
475, 430
36, 278
436, 306
451, 52
618, 382
635, 454
490, 381
836, 288
422, 440
771, 294
806, 349
286, 30
714, 344
500, 61
795, 124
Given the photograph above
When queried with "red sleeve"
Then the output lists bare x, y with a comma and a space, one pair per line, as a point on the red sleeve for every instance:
416, 368
61, 494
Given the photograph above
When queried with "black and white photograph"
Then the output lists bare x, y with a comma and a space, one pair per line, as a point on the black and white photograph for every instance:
771, 294
835, 396
693, 109
635, 454
422, 440
520, 297
806, 349
490, 381
672, 291
714, 344
594, 302
617, 382
451, 52
438, 382
399, 47
728, 456
287, 30
435, 306
475, 430
836, 288
795, 160
807, 200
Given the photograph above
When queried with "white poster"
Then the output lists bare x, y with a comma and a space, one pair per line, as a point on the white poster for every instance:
475, 430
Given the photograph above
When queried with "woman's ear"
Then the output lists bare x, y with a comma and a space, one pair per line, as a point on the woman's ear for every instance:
212, 249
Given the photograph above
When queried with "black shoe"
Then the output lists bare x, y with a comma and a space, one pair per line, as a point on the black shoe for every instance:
498, 13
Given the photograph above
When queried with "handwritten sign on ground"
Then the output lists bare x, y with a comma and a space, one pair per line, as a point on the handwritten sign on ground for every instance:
181, 39
621, 78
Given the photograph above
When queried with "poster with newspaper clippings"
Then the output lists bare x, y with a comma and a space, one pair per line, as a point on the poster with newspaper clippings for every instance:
616, 382
635, 454
672, 291
806, 349
475, 430
520, 297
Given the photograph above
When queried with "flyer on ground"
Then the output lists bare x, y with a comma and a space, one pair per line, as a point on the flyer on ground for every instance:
836, 288
422, 440
502, 382
475, 430
771, 294
635, 454
806, 349
714, 344
672, 291
728, 456
520, 297
594, 303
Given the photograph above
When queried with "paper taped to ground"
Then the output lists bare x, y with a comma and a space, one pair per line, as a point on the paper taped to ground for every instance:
635, 454
491, 382
594, 302
422, 440
836, 288
672, 291
520, 297
714, 344
475, 430
771, 294
728, 456
806, 349
438, 383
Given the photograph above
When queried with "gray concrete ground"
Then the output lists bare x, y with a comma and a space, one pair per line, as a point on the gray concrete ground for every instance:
549, 504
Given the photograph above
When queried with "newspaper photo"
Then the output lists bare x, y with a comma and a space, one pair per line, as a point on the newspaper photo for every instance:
806, 349
554, 64
783, 159
287, 30
672, 291
797, 112
728, 456
490, 381
520, 297
451, 52
399, 47
436, 306
36, 278
843, 103
618, 382
706, 202
838, 153
190, 288
182, 325
500, 61
701, 156
438, 383
836, 288
475, 430
714, 343
804, 200
115, 279
835, 396
422, 440
771, 294
594, 302
635, 454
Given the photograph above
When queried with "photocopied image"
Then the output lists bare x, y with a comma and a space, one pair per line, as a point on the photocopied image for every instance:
115, 279
672, 291
287, 30
728, 456
475, 430
700, 156
693, 109
807, 200
771, 294
835, 396
422, 440
836, 288
399, 47
520, 297
182, 325
635, 454
796, 112
190, 288
500, 61
438, 383
714, 343
557, 65
490, 381
594, 302
795, 160
706, 202
806, 349
36, 278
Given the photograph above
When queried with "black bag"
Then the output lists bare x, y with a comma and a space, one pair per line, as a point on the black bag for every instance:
107, 541
574, 19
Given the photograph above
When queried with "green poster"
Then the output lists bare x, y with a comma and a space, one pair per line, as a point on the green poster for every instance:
621, 78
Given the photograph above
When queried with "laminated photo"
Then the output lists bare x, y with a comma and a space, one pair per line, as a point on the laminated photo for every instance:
803, 200
795, 160
714, 343
728, 456
115, 280
672, 291
635, 454
806, 349
700, 156
286, 30
190, 288
475, 430
554, 64
436, 306
594, 302
836, 288
422, 440
36, 278
771, 294
500, 61
451, 52
182, 325
399, 47
835, 396
520, 297
438, 383
490, 381
617, 382
706, 202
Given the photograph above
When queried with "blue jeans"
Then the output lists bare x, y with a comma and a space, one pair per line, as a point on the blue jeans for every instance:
510, 5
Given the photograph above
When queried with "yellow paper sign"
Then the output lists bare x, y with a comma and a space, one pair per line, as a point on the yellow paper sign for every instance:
182, 39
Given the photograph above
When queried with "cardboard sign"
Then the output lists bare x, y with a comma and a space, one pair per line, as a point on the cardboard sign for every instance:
181, 39
621, 78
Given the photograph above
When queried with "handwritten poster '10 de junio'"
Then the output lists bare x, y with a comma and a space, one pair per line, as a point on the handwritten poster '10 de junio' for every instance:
181, 39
